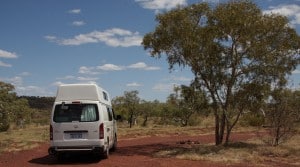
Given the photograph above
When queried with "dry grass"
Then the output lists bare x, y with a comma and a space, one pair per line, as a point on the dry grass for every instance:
23, 139
205, 126
252, 152
161, 130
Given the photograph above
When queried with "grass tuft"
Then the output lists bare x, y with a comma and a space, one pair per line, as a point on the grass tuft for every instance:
23, 139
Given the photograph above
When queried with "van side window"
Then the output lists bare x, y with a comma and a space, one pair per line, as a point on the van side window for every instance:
105, 97
110, 116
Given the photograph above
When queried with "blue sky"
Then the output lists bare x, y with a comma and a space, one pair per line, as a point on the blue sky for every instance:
44, 43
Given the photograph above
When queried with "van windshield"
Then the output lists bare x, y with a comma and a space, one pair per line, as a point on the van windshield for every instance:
76, 112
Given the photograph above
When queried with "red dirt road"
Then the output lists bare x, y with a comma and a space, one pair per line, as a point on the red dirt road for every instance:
130, 153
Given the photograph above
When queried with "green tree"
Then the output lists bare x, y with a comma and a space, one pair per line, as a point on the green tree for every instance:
12, 108
234, 50
187, 101
148, 109
4, 123
21, 112
119, 108
128, 103
131, 102
281, 115
7, 97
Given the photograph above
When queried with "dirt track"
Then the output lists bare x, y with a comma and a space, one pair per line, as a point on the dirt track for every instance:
131, 152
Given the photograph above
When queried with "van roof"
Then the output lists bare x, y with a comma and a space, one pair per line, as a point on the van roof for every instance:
73, 92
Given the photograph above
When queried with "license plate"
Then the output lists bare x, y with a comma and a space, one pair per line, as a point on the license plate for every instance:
76, 135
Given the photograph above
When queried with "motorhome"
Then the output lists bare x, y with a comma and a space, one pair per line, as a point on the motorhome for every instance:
82, 119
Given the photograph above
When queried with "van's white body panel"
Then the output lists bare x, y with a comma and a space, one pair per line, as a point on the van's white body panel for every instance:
76, 135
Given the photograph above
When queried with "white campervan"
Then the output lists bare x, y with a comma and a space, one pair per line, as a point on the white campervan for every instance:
82, 119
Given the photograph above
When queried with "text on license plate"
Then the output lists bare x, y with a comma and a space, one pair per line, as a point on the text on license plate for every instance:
76, 135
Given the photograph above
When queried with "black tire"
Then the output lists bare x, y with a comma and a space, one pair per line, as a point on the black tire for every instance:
61, 157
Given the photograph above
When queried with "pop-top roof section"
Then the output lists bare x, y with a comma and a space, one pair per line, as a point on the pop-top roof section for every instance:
77, 92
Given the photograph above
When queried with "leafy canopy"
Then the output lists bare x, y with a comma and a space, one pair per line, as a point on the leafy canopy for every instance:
234, 50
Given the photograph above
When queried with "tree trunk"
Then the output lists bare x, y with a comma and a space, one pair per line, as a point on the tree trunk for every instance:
145, 120
228, 132
217, 127
229, 126
276, 142
222, 128
130, 120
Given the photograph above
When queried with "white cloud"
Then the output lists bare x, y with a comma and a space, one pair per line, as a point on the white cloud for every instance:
50, 38
138, 65
211, 1
30, 90
78, 40
110, 67
133, 84
33, 91
68, 77
74, 11
87, 70
160, 4
181, 79
8, 55
292, 11
143, 66
78, 23
164, 87
24, 74
2, 64
16, 81
114, 37
168, 84
57, 83
86, 79
296, 72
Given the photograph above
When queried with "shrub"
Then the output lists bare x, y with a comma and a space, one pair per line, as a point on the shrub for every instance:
251, 119
4, 123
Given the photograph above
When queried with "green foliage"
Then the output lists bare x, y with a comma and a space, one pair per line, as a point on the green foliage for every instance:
252, 119
187, 102
128, 105
12, 109
21, 113
232, 49
4, 123
281, 115
7, 96
148, 109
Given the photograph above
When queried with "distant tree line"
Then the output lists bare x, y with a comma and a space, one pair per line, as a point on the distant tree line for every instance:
37, 102
22, 110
